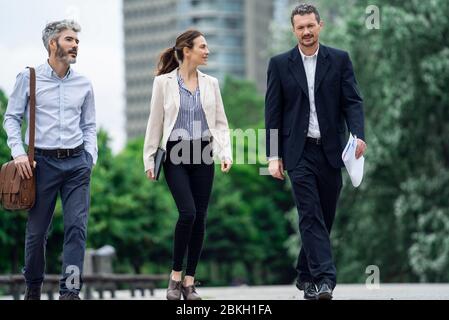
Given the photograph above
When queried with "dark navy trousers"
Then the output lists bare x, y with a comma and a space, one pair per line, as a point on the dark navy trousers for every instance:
70, 177
316, 186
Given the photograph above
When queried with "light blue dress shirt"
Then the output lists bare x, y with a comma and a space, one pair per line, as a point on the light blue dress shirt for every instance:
65, 112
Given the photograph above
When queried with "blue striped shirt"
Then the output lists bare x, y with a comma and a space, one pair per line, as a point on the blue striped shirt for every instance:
65, 112
191, 122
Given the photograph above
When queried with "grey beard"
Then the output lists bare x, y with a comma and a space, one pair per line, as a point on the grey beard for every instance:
63, 56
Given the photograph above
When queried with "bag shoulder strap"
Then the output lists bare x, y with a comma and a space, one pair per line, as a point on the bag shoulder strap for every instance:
32, 124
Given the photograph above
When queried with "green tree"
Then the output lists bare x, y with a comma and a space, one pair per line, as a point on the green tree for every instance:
128, 211
244, 106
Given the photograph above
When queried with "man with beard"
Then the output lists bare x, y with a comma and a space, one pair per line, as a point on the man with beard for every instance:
65, 152
311, 98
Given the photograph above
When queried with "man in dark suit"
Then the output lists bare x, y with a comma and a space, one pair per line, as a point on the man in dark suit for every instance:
311, 98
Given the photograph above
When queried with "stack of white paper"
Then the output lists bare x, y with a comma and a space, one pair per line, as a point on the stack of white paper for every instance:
353, 166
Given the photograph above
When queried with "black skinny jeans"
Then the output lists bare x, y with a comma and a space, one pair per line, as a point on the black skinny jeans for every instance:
189, 172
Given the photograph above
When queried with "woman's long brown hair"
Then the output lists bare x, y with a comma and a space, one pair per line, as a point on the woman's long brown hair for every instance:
169, 59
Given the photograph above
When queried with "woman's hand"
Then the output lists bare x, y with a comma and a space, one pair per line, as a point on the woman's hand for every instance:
226, 165
150, 174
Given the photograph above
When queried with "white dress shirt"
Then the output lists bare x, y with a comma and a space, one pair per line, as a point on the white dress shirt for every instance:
310, 68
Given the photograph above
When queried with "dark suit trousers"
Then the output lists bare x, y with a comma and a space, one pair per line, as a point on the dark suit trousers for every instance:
316, 186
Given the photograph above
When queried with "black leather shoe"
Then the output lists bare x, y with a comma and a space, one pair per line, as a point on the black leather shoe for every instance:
69, 296
33, 293
309, 289
324, 291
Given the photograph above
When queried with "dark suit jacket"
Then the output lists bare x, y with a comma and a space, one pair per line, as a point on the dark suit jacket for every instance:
337, 100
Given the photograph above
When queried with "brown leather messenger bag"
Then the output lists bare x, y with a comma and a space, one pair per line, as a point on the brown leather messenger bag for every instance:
17, 193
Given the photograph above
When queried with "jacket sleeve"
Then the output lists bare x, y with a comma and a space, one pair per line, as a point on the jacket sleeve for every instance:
223, 148
273, 112
155, 125
352, 102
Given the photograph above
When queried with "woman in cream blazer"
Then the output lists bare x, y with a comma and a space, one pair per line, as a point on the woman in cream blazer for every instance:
188, 120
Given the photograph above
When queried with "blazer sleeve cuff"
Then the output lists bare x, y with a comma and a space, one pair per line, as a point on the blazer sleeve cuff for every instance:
149, 164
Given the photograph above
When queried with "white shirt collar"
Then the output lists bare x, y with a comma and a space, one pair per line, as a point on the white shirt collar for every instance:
303, 56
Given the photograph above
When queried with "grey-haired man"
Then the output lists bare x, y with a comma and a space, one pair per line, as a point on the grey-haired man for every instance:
66, 150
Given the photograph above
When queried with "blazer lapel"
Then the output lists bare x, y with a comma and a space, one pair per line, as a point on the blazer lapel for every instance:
322, 66
174, 87
202, 83
296, 67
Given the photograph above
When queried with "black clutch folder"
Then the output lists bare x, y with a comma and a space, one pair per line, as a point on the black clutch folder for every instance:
159, 159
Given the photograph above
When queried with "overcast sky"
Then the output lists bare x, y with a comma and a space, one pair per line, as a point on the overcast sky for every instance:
100, 56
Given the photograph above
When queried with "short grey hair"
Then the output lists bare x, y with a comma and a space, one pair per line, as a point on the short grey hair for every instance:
53, 29
303, 9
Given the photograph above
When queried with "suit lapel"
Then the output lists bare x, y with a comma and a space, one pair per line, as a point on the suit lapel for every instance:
174, 87
322, 66
296, 67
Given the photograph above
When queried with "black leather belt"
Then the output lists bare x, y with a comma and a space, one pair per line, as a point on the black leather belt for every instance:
59, 153
316, 141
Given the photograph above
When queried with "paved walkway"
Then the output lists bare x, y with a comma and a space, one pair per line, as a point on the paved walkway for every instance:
289, 292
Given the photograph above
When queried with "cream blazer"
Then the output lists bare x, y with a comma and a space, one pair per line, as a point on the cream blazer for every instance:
164, 109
